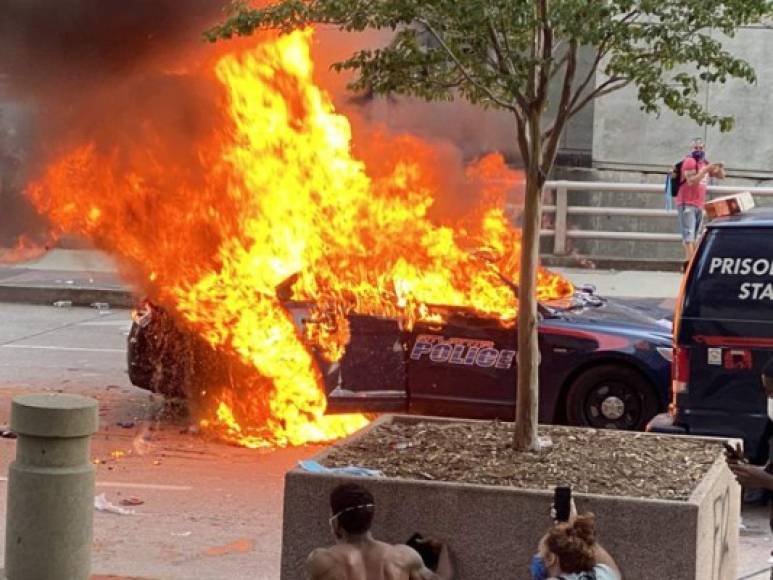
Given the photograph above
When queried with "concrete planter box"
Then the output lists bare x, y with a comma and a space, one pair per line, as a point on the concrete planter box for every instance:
493, 531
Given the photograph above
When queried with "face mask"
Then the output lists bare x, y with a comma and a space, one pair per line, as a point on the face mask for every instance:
699, 155
539, 571
333, 529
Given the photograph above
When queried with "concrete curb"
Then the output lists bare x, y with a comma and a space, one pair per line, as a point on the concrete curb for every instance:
78, 295
609, 263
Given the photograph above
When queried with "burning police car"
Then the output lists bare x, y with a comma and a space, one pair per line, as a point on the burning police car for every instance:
603, 364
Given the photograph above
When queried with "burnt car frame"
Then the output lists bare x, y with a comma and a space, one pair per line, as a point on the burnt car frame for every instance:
603, 364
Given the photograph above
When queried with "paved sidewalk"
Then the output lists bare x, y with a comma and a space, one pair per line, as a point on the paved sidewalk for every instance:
86, 276
81, 277
627, 283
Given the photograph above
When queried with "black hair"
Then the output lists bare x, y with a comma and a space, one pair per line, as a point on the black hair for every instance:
354, 504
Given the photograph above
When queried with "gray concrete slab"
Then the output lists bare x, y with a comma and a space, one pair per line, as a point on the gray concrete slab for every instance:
625, 137
79, 276
630, 284
72, 260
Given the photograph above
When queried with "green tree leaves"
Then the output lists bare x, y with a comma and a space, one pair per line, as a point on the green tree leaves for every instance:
484, 50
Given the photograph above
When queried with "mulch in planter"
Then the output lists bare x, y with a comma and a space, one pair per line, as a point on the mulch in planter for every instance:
591, 461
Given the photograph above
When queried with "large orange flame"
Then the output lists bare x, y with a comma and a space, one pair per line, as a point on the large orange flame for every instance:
278, 193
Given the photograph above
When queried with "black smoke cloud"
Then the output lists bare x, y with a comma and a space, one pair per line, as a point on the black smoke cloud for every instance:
112, 71
76, 42
74, 71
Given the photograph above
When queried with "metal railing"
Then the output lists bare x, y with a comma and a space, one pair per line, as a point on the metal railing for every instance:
562, 210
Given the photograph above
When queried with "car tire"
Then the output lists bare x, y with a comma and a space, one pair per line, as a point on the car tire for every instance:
611, 396
140, 371
160, 357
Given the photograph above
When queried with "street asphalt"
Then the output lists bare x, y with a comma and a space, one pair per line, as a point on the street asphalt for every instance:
209, 511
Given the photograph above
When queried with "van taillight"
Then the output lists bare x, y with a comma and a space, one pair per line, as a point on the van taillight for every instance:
680, 370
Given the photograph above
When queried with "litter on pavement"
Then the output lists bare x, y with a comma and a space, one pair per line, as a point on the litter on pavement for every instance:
133, 500
314, 467
102, 504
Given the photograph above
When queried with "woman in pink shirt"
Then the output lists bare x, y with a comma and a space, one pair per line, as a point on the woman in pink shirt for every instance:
696, 171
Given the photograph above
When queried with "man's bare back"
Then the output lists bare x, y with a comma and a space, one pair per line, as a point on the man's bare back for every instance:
367, 560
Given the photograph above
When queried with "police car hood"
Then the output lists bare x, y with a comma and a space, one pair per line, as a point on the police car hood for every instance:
613, 316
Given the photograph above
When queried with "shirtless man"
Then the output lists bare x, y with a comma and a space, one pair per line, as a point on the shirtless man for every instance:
357, 555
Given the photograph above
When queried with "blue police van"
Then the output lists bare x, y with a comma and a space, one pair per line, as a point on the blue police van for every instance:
723, 335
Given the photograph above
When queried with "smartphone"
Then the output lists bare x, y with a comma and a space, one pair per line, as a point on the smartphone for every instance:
429, 556
562, 503
733, 453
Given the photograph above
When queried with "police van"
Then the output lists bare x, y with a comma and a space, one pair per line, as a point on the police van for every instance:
723, 335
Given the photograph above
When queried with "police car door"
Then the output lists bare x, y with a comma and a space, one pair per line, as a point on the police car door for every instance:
463, 368
371, 375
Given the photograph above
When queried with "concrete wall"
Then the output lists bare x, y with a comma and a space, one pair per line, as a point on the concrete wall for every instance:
624, 137
475, 130
494, 531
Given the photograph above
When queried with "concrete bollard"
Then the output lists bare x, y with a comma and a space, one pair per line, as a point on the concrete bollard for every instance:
49, 520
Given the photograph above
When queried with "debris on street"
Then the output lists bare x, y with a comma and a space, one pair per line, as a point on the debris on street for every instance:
240, 546
6, 433
132, 501
102, 504
314, 467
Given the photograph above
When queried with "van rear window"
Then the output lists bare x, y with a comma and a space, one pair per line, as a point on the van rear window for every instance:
733, 278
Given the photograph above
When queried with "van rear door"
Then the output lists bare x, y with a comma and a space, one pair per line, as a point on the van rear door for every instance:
724, 335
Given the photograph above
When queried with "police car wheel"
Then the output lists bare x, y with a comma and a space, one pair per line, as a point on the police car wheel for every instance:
140, 370
159, 358
611, 397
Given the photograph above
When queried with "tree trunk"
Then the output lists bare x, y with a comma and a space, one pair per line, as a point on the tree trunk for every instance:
527, 398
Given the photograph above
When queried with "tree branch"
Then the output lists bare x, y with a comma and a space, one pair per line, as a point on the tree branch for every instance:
558, 65
462, 69
609, 86
546, 54
602, 51
600, 54
552, 137
523, 139
506, 65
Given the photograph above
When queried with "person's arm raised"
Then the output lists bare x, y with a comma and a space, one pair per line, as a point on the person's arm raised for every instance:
604, 557
445, 570
418, 571
718, 171
693, 177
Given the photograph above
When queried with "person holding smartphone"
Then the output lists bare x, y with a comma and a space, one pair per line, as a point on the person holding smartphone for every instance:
569, 551
691, 199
